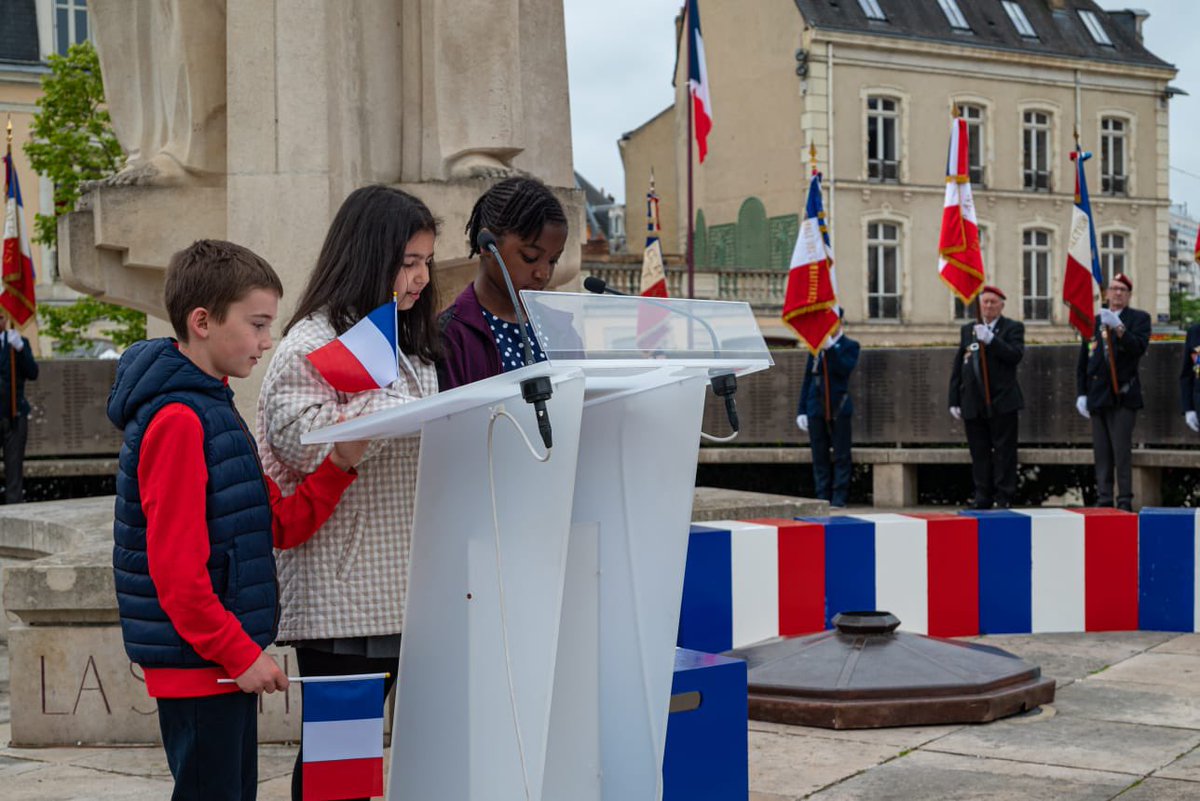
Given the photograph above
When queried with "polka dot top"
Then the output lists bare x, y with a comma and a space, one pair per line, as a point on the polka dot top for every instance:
508, 342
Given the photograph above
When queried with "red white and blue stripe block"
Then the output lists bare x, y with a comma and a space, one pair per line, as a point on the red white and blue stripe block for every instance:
342, 744
365, 357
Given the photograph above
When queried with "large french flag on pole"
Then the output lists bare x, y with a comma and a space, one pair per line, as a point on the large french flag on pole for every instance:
342, 743
1083, 263
365, 357
17, 295
702, 112
960, 261
810, 300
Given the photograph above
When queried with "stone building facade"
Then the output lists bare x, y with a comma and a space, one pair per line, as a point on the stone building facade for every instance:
872, 83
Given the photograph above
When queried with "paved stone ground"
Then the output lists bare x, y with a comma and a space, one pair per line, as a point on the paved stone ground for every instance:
1126, 722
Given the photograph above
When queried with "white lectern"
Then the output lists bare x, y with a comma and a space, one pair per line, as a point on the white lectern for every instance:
648, 363
485, 585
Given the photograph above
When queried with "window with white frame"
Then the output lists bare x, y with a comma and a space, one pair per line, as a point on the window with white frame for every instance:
1114, 146
961, 310
1035, 278
872, 10
70, 24
1035, 151
883, 139
1112, 255
1016, 15
1095, 28
954, 15
883, 271
974, 117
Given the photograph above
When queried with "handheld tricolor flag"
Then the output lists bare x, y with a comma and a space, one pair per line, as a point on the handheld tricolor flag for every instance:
702, 113
960, 260
365, 357
342, 747
1083, 263
810, 300
654, 275
17, 296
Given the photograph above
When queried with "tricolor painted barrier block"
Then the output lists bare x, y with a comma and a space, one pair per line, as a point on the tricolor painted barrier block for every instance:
707, 747
901, 569
952, 547
1110, 569
849, 565
1168, 542
1005, 567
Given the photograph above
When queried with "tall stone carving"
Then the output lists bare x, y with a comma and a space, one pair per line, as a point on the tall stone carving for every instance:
163, 63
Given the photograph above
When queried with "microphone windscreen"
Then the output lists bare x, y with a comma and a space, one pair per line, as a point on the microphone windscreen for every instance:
486, 240
594, 284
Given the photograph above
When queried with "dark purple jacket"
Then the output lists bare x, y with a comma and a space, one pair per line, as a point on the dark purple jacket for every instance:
469, 352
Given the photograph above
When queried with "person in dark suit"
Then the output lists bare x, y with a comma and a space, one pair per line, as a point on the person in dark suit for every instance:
985, 396
16, 360
1109, 391
1189, 378
834, 364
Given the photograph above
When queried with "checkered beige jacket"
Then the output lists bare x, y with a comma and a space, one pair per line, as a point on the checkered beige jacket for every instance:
351, 578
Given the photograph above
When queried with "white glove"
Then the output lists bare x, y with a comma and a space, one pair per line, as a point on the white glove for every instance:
1193, 422
802, 422
15, 340
833, 340
983, 333
1109, 317
956, 412
1081, 406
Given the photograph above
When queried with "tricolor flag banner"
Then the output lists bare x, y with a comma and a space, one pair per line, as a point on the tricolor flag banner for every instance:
365, 357
702, 113
654, 274
960, 261
810, 300
17, 295
342, 745
1197, 255
1083, 262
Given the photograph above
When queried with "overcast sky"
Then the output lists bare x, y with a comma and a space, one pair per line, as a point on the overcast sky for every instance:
620, 54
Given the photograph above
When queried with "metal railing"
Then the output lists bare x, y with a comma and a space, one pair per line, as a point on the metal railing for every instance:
762, 289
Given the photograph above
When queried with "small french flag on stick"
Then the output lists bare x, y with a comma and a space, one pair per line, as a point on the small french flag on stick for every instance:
365, 357
343, 737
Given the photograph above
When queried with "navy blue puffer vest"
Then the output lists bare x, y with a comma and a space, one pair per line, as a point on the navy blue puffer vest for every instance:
241, 564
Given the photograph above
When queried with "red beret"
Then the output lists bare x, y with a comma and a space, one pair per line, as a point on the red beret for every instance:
1124, 279
995, 291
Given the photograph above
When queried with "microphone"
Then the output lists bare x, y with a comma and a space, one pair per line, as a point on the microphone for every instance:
724, 385
534, 390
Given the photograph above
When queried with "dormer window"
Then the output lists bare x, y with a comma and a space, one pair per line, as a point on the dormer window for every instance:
1021, 22
954, 15
1095, 28
872, 10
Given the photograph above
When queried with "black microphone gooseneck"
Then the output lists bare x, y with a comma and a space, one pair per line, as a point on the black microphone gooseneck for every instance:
723, 386
534, 390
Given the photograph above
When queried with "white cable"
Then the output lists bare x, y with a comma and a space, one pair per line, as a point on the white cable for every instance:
711, 438
496, 413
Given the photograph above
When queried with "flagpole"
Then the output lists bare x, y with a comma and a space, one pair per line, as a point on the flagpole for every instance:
1105, 334
690, 255
12, 360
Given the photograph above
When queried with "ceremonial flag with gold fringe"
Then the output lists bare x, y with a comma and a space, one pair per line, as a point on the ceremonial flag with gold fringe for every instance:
17, 296
960, 260
810, 304
1082, 273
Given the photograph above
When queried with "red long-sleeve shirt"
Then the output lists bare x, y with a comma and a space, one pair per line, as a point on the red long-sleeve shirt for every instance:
172, 476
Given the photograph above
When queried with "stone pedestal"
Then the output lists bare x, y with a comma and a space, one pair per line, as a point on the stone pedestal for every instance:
894, 485
1147, 486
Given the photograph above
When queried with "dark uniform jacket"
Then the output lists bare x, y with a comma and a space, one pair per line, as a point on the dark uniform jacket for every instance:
1092, 374
1189, 371
842, 357
1004, 353
27, 370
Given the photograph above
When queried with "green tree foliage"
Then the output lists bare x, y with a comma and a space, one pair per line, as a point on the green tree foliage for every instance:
1185, 310
73, 140
70, 325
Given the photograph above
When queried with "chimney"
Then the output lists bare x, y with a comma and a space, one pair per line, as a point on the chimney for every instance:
1130, 21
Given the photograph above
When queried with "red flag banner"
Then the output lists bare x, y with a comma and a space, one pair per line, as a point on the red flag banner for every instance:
960, 261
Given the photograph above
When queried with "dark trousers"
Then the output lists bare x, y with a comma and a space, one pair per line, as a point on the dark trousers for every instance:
14, 433
212, 746
993, 445
1112, 446
311, 662
838, 467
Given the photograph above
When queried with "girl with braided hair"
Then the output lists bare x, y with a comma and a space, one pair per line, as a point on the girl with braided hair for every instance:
479, 330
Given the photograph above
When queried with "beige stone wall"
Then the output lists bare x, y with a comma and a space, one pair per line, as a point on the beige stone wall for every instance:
766, 116
651, 147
